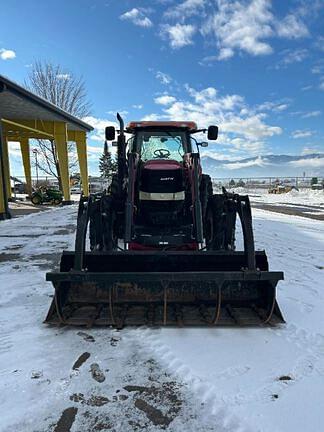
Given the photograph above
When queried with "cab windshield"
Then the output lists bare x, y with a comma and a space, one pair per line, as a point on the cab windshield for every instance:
160, 145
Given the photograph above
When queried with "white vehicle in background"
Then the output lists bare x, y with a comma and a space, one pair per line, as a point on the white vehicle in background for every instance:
317, 184
76, 189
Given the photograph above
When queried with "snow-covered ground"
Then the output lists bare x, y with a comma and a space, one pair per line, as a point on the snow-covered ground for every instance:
297, 197
208, 379
304, 202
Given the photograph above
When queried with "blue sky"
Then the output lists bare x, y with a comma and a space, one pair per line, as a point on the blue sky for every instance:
254, 67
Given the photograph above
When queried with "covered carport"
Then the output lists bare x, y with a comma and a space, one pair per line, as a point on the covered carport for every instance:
25, 116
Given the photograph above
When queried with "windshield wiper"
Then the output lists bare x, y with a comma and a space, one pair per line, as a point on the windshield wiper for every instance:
175, 138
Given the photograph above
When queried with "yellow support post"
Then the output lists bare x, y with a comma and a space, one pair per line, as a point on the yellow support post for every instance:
25, 153
3, 207
4, 210
81, 145
6, 166
60, 138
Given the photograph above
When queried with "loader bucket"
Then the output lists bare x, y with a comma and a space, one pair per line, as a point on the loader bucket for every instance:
164, 288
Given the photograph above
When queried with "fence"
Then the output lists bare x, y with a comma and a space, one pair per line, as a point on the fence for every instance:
251, 184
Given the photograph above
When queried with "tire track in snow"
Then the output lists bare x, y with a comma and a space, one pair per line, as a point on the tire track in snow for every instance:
222, 406
6, 342
313, 343
206, 393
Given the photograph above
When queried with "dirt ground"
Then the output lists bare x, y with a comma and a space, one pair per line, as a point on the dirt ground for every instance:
22, 208
310, 212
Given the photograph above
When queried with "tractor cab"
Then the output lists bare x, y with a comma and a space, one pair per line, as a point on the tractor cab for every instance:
162, 197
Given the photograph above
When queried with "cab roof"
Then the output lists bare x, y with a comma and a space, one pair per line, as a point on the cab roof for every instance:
161, 124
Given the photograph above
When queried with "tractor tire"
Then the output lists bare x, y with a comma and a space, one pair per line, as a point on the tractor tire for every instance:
220, 224
214, 223
36, 200
95, 227
113, 188
109, 224
206, 192
230, 225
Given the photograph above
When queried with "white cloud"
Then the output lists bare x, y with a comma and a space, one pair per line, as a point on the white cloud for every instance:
179, 35
163, 77
321, 86
225, 53
292, 56
165, 100
312, 114
320, 43
207, 61
151, 117
241, 128
295, 56
238, 165
273, 106
292, 27
185, 9
139, 106
301, 134
218, 156
6, 54
313, 163
306, 88
240, 26
317, 69
244, 26
137, 17
99, 126
252, 127
281, 107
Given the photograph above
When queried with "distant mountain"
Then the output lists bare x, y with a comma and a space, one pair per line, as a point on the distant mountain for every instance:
266, 166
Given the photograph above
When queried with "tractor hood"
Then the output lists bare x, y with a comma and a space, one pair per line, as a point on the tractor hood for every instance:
162, 164
162, 176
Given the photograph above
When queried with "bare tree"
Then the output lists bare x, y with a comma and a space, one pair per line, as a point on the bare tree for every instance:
67, 91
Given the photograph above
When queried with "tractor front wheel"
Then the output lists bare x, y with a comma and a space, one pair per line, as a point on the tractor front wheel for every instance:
220, 224
36, 200
110, 237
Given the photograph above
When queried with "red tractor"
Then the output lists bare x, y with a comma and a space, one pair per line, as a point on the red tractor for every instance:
166, 203
162, 244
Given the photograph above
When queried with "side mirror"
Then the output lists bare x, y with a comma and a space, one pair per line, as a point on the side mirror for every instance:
212, 133
203, 144
110, 133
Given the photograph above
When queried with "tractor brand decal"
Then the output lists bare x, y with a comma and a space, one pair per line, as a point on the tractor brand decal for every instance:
167, 178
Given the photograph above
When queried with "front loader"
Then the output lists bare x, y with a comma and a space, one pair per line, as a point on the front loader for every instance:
161, 247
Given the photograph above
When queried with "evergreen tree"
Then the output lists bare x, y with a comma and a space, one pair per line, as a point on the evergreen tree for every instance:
107, 166
240, 183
